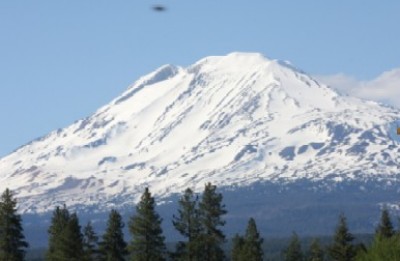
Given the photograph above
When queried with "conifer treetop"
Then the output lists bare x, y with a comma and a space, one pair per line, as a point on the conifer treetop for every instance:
12, 240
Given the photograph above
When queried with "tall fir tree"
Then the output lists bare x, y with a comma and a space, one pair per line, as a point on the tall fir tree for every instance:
237, 248
315, 253
293, 252
342, 248
381, 249
59, 222
90, 243
187, 223
385, 227
248, 247
72, 240
147, 236
211, 211
65, 237
252, 249
113, 246
12, 240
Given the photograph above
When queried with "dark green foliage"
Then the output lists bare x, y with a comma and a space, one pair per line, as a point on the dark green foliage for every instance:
248, 247
293, 252
211, 212
145, 227
187, 223
72, 240
385, 227
58, 222
342, 248
90, 243
113, 247
65, 237
253, 243
382, 249
360, 248
237, 248
316, 253
12, 239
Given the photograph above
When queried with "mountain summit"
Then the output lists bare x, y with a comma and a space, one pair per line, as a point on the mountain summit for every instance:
232, 120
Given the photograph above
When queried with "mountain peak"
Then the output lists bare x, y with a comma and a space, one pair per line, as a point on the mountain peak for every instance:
232, 120
238, 57
232, 61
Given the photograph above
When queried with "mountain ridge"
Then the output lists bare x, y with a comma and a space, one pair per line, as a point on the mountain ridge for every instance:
232, 120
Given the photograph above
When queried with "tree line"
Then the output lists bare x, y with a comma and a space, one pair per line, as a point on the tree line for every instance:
199, 220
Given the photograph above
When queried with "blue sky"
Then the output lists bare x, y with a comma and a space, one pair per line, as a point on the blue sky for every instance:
61, 60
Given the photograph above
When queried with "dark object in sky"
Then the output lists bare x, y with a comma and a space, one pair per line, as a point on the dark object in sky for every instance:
398, 130
159, 8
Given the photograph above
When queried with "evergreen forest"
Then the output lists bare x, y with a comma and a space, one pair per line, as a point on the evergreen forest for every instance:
199, 220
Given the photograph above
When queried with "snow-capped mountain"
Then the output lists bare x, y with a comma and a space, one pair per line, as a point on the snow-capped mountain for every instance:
232, 120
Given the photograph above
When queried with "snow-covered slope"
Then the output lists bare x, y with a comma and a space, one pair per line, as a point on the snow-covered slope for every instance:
232, 120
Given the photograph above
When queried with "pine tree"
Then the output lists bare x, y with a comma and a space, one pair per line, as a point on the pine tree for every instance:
237, 248
65, 237
12, 239
113, 247
187, 223
248, 247
293, 252
252, 249
385, 227
72, 240
90, 243
342, 248
59, 221
382, 249
145, 227
211, 212
315, 253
